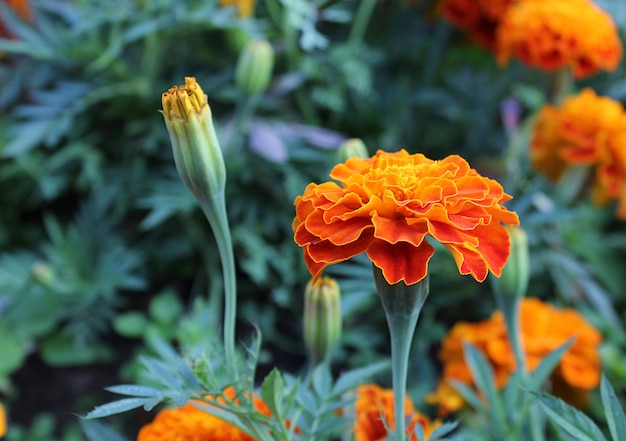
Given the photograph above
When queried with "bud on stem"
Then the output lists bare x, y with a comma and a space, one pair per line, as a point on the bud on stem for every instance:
322, 318
254, 67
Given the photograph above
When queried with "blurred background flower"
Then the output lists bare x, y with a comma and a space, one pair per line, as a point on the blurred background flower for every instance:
543, 328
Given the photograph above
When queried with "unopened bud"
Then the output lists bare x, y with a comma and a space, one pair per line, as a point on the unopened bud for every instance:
513, 282
322, 317
197, 152
254, 67
352, 147
42, 273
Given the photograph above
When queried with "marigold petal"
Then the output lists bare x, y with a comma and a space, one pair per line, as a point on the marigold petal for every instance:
401, 261
326, 252
399, 230
338, 232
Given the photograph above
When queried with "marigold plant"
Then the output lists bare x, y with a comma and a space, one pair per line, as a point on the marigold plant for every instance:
374, 415
387, 205
557, 34
191, 423
586, 130
543, 329
478, 17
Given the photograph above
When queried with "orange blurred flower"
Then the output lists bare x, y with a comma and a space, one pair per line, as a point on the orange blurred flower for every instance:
22, 7
555, 34
244, 7
3, 421
374, 415
387, 205
543, 329
585, 130
478, 17
190, 423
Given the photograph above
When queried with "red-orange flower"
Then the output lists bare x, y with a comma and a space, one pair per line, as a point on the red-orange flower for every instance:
543, 329
555, 34
190, 423
585, 130
478, 17
387, 205
374, 415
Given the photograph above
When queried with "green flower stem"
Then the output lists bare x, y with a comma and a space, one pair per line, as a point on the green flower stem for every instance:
560, 85
215, 212
510, 307
402, 304
361, 21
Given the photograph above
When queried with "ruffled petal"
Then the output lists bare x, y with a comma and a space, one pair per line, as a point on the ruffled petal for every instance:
401, 261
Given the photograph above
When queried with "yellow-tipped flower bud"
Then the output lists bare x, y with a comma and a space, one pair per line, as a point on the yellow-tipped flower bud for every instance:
197, 152
352, 147
513, 282
254, 67
322, 317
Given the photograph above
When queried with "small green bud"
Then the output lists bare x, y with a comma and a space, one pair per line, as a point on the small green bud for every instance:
513, 282
352, 147
322, 317
42, 273
197, 152
254, 67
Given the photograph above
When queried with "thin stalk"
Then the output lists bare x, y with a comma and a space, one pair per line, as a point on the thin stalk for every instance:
510, 308
402, 304
290, 36
215, 212
401, 330
360, 23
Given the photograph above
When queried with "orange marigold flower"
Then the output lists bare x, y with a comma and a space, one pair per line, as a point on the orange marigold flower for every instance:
3, 421
374, 415
585, 130
244, 7
387, 205
555, 34
191, 423
543, 329
478, 17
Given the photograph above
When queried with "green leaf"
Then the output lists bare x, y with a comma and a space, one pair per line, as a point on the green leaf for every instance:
612, 410
166, 308
570, 419
468, 395
134, 390
353, 378
322, 380
272, 392
12, 352
62, 350
130, 324
482, 374
443, 430
115, 407
96, 431
546, 366
485, 382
